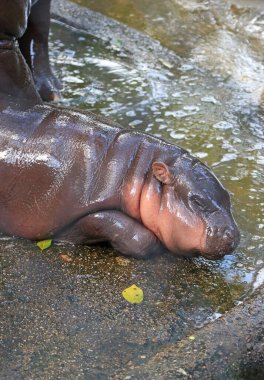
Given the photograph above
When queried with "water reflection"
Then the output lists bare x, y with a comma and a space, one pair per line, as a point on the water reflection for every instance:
210, 103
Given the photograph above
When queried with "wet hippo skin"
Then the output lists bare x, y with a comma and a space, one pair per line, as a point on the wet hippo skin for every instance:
76, 177
24, 28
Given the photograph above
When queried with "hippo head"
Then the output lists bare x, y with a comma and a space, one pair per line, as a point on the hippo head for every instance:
195, 212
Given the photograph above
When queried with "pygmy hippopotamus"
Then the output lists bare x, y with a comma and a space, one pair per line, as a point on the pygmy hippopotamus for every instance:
76, 177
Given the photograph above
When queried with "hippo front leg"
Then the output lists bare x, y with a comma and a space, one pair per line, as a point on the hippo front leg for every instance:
34, 46
125, 234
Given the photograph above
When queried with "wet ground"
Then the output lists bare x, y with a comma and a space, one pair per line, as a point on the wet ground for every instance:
200, 88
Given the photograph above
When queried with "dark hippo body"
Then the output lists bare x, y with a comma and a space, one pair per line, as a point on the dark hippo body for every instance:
76, 177
72, 176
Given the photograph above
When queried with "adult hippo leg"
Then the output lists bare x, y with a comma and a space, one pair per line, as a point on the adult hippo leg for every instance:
16, 79
34, 46
125, 234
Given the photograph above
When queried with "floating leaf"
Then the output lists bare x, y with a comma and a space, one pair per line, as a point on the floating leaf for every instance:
44, 244
133, 294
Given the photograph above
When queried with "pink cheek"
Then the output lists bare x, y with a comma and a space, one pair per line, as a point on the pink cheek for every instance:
181, 230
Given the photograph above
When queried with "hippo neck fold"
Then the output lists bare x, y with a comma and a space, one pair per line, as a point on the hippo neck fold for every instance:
139, 186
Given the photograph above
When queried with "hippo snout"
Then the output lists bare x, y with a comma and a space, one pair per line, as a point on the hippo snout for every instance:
232, 237
221, 241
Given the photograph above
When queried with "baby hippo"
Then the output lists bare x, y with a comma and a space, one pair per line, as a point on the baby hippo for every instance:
75, 177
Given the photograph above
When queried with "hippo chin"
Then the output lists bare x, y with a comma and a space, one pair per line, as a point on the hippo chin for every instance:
76, 177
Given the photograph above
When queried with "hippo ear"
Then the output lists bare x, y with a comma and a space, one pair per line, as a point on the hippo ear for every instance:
162, 172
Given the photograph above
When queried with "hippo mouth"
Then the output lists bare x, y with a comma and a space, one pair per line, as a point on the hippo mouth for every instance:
214, 255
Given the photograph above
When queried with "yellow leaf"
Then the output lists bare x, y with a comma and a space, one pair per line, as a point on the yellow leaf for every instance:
133, 294
192, 337
44, 244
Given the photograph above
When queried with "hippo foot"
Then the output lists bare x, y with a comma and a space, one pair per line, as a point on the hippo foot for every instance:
16, 78
47, 85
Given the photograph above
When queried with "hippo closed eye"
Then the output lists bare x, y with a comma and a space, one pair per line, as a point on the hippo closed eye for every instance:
72, 176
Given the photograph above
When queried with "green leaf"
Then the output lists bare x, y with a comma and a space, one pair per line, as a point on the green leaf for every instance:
133, 294
44, 244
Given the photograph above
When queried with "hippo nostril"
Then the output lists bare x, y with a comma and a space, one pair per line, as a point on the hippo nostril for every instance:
210, 231
228, 235
221, 241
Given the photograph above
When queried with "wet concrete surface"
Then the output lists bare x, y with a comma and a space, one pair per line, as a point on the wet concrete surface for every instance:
230, 348
63, 317
66, 318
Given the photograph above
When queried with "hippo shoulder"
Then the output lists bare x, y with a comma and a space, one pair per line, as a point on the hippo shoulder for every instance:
87, 116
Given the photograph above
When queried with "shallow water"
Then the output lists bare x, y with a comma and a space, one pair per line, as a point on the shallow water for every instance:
210, 103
